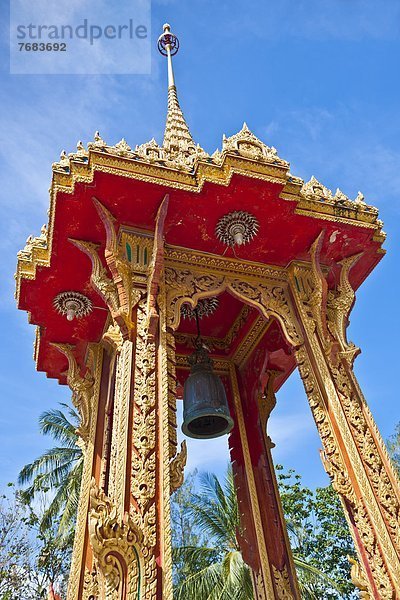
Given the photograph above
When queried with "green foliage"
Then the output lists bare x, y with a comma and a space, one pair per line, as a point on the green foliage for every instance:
59, 469
30, 559
207, 559
393, 445
319, 537
209, 565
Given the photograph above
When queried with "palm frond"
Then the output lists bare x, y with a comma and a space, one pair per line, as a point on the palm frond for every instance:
54, 422
202, 585
58, 469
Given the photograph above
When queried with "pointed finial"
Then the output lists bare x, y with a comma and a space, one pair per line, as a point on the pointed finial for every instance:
168, 45
177, 137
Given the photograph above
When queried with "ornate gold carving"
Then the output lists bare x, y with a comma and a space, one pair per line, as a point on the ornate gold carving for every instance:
122, 148
120, 271
282, 583
177, 467
166, 410
249, 146
156, 267
179, 149
267, 399
115, 541
331, 456
99, 278
180, 258
81, 387
113, 337
358, 579
258, 586
95, 364
91, 589
248, 343
138, 247
98, 143
218, 170
35, 253
319, 290
266, 580
339, 304
316, 191
33, 243
273, 301
81, 154
63, 164
144, 439
220, 365
368, 481
143, 461
189, 286
187, 339
219, 174
150, 151
171, 392
119, 440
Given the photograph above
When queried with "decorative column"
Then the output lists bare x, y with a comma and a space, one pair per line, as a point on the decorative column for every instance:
264, 541
265, 544
88, 394
125, 551
354, 454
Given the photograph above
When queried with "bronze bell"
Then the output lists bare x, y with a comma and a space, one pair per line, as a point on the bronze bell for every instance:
205, 408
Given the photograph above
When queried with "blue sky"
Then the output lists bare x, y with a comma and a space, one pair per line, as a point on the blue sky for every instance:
317, 79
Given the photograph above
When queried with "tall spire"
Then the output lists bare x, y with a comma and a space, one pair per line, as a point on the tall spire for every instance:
177, 137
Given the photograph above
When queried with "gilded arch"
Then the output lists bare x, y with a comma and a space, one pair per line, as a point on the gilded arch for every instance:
269, 296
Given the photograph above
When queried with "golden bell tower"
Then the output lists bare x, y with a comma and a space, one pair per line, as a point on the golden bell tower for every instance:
137, 239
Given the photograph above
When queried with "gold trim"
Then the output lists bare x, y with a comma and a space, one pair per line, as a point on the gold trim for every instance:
187, 339
255, 508
96, 359
107, 161
220, 365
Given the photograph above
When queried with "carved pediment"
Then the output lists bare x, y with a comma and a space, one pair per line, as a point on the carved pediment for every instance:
122, 148
34, 242
248, 145
150, 151
315, 190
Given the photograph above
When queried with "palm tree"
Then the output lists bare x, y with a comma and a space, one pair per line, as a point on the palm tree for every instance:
216, 570
58, 469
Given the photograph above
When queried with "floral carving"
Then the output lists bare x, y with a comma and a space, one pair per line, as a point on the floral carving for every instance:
375, 508
115, 542
246, 144
282, 584
188, 286
177, 467
81, 387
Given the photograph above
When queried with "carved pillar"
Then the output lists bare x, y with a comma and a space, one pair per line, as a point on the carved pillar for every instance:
354, 453
128, 552
265, 544
87, 393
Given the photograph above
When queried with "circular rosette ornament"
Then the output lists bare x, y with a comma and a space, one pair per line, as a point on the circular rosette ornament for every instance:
204, 308
72, 305
236, 228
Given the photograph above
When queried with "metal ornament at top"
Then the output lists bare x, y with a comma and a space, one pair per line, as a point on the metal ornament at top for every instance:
73, 305
236, 228
204, 308
168, 42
